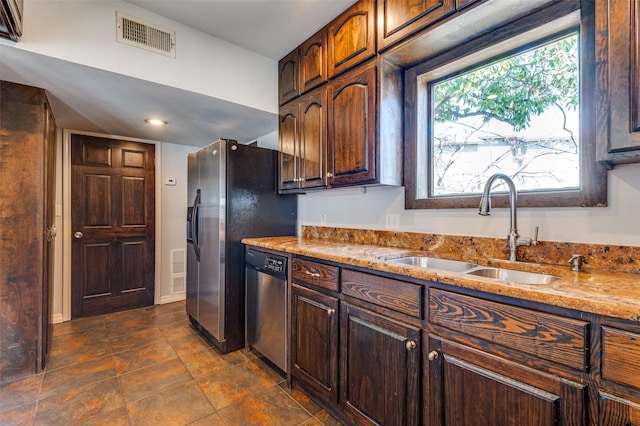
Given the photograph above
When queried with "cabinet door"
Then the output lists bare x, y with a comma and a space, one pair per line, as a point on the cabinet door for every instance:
400, 19
289, 77
380, 371
469, 387
314, 341
352, 127
289, 146
313, 61
351, 37
313, 139
618, 80
616, 411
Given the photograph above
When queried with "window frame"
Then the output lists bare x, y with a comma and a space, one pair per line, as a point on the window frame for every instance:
549, 22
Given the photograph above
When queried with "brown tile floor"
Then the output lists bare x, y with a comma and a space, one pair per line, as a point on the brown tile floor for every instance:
149, 366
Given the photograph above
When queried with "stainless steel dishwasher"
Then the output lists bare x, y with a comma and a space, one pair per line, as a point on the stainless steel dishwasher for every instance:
266, 305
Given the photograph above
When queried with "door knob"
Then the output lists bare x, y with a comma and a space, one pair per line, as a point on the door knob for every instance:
78, 235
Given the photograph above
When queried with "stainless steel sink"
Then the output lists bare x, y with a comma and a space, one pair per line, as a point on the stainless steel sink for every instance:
434, 263
514, 276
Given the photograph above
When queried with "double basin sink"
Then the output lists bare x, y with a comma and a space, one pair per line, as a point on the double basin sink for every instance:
468, 268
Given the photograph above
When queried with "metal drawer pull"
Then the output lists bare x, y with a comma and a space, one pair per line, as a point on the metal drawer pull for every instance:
312, 274
433, 355
411, 345
331, 311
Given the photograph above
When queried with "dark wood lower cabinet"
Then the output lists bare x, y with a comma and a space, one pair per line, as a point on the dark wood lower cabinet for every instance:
380, 371
616, 411
469, 387
314, 341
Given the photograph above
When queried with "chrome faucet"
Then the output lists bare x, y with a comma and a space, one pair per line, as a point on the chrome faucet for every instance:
485, 210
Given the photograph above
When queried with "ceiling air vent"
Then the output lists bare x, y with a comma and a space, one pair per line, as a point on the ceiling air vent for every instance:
134, 32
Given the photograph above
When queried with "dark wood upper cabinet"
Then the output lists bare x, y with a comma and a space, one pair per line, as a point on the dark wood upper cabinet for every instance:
289, 77
618, 81
313, 61
398, 19
365, 126
27, 202
303, 142
351, 37
11, 19
616, 411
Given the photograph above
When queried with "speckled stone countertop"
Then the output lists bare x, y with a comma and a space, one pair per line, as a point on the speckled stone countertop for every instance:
599, 291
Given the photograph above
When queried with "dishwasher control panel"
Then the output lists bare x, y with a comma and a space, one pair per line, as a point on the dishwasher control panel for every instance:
276, 264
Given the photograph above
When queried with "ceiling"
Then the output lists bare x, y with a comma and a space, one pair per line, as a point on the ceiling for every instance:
90, 99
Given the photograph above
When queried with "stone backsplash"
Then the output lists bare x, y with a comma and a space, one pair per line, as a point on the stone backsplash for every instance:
479, 249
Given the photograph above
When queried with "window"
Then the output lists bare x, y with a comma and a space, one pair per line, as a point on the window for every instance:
518, 104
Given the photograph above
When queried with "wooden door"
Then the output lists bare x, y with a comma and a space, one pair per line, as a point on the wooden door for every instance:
113, 225
466, 386
313, 61
380, 372
289, 77
352, 127
314, 341
615, 411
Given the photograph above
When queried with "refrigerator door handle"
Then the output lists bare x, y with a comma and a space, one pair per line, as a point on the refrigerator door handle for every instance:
195, 225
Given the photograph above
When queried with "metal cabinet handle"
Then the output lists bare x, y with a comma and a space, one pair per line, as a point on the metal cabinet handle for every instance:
312, 274
78, 235
329, 174
433, 355
331, 311
411, 345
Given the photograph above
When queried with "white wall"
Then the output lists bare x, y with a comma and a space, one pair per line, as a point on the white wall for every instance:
173, 215
84, 32
616, 224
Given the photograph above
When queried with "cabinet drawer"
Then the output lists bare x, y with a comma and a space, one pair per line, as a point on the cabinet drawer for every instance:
621, 356
313, 273
550, 337
400, 296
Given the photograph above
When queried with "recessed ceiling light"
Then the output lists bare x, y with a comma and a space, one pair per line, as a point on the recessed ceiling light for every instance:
155, 121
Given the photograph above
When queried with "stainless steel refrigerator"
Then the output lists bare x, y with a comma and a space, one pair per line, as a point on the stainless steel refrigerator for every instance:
232, 193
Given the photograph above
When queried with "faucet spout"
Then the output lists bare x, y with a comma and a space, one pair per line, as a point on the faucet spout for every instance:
485, 210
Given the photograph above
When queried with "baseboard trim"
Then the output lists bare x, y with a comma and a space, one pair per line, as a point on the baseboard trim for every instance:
172, 298
57, 318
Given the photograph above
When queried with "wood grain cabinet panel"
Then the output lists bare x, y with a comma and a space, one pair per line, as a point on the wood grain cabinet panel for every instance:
27, 227
315, 273
397, 295
616, 411
399, 19
618, 81
550, 337
621, 356
352, 127
351, 37
469, 387
380, 372
314, 341
289, 77
313, 61
303, 142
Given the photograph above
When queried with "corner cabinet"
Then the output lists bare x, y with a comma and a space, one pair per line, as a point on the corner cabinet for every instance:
618, 81
27, 206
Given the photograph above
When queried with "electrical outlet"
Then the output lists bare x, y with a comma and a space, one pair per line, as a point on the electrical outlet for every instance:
393, 221
323, 218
